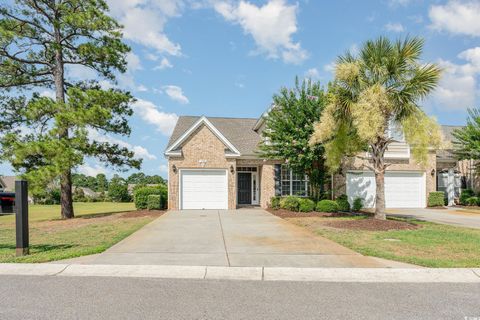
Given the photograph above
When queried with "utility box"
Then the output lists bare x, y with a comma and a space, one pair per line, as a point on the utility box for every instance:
7, 203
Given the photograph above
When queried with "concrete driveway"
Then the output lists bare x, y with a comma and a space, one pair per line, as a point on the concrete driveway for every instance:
248, 237
460, 217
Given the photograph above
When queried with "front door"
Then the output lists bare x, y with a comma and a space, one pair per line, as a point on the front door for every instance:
244, 188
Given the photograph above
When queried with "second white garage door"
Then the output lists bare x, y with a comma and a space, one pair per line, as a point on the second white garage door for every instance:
203, 189
402, 189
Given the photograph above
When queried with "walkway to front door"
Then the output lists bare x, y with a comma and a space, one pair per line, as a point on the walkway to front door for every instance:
247, 237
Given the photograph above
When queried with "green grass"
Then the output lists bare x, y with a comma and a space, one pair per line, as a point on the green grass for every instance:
432, 245
97, 227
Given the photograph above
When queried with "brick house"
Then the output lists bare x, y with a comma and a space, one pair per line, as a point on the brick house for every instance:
213, 164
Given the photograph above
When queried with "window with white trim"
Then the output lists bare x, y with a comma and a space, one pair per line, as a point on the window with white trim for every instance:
395, 131
293, 184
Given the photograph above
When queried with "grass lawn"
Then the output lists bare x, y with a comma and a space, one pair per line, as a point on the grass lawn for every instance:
96, 227
431, 245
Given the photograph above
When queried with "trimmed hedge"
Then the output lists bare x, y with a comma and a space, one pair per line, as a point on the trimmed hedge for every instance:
436, 199
306, 205
140, 196
154, 202
290, 203
342, 202
357, 204
465, 194
327, 206
275, 203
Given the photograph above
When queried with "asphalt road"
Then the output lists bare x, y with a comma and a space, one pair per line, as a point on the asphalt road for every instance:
28, 297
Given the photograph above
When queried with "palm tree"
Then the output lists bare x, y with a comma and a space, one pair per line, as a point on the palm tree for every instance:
381, 85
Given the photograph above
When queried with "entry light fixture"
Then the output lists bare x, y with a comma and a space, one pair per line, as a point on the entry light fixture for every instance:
232, 169
174, 169
433, 172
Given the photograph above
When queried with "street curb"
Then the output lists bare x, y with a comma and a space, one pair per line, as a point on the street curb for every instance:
378, 275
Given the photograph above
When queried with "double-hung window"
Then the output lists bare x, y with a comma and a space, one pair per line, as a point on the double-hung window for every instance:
293, 184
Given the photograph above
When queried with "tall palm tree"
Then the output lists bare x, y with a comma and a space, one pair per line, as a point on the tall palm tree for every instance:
383, 84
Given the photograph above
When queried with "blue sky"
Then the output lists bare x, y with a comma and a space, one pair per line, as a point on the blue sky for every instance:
227, 58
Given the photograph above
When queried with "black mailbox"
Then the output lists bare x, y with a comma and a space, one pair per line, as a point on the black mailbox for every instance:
7, 202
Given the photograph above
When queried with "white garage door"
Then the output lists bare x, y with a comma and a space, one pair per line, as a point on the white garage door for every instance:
203, 189
402, 189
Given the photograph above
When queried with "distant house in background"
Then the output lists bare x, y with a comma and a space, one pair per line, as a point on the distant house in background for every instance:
87, 192
7, 183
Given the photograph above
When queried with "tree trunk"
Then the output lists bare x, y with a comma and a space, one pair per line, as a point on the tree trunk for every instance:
66, 199
380, 195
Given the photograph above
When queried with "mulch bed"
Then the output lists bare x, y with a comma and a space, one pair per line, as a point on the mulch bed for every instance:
292, 214
143, 213
371, 225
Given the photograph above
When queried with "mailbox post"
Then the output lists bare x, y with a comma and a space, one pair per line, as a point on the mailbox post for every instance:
21, 217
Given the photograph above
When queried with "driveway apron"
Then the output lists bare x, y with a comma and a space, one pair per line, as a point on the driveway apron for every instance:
234, 238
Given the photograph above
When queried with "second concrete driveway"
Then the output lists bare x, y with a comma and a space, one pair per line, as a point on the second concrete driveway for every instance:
249, 237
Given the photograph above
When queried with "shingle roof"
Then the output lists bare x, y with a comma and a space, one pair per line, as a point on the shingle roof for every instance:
9, 182
448, 132
239, 131
447, 155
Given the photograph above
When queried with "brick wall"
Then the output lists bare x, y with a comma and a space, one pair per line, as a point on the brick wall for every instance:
201, 145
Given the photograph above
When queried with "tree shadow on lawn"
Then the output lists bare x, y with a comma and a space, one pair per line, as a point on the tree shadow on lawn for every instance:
92, 215
39, 248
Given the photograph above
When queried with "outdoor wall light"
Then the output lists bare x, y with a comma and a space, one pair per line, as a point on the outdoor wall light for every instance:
174, 169
433, 172
232, 169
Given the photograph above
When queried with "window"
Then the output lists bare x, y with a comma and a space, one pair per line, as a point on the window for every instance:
293, 184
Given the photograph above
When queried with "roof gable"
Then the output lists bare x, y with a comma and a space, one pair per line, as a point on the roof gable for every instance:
171, 149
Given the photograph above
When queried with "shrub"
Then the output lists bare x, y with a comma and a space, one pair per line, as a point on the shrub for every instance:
436, 199
306, 205
472, 201
327, 206
290, 203
464, 195
275, 203
342, 202
357, 204
154, 202
140, 196
118, 192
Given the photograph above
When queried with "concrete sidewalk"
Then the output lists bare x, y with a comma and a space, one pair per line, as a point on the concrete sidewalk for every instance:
230, 238
380, 275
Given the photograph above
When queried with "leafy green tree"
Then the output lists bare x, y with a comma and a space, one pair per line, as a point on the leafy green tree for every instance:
39, 39
288, 127
101, 183
81, 180
141, 178
467, 139
118, 189
383, 84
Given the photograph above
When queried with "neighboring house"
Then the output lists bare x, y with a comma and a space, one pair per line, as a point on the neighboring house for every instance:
87, 192
7, 183
213, 164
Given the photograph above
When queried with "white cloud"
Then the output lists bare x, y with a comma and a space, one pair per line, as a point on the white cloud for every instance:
48, 93
140, 152
91, 171
396, 3
80, 72
176, 94
163, 168
133, 62
127, 81
458, 88
330, 67
312, 74
271, 26
165, 122
457, 17
394, 27
164, 64
144, 22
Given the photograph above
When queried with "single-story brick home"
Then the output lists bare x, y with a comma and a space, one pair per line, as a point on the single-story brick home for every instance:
213, 164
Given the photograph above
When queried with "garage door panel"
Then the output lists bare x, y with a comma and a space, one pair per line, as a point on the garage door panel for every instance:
204, 189
402, 189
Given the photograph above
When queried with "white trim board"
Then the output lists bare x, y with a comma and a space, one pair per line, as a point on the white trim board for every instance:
197, 124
